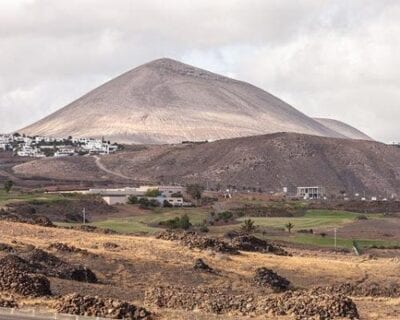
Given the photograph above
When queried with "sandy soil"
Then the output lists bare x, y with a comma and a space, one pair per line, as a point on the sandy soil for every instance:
140, 262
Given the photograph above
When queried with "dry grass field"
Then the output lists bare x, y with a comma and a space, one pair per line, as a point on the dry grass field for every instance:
139, 263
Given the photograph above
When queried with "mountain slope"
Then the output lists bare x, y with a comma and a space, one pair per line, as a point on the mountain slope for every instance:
343, 128
165, 101
269, 162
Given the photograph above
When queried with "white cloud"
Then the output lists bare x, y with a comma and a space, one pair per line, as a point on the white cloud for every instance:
327, 58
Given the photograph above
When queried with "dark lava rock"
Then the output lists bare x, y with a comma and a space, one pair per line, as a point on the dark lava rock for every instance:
6, 248
195, 240
41, 262
299, 305
8, 303
200, 265
20, 282
267, 278
110, 246
62, 247
254, 244
97, 307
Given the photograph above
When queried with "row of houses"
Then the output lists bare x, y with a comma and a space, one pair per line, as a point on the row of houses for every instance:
39, 147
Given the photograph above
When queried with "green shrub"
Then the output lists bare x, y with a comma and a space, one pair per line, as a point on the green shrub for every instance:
226, 216
152, 193
133, 199
145, 203
177, 223
195, 191
167, 204
248, 226
8, 185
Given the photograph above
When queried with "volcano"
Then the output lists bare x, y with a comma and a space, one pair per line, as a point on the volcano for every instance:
166, 101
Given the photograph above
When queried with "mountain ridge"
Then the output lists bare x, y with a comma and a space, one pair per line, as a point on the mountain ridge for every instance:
269, 162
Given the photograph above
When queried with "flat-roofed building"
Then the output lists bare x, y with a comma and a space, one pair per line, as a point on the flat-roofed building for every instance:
306, 193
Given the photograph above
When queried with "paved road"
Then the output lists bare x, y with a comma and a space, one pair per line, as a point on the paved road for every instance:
19, 317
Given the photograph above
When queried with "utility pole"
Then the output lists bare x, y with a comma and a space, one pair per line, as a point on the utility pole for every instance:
335, 237
84, 215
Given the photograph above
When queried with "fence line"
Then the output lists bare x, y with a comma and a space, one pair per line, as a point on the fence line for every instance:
43, 315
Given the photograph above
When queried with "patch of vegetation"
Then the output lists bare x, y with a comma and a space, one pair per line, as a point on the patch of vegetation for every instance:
289, 226
312, 219
8, 186
195, 191
248, 226
182, 222
145, 203
152, 193
318, 241
133, 199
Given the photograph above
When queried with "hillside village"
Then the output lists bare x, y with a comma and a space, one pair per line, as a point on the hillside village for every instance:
40, 147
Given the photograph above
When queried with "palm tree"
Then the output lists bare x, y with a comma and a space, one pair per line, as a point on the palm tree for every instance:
248, 226
289, 226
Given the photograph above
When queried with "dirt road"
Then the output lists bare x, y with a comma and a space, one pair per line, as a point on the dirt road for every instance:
103, 168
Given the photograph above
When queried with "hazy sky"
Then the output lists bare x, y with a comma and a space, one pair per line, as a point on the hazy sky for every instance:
338, 59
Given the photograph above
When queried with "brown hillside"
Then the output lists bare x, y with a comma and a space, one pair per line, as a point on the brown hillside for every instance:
268, 162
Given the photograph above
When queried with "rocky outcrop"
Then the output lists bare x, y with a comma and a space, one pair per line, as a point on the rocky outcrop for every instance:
363, 289
99, 307
251, 243
38, 261
16, 281
200, 265
267, 278
195, 240
111, 246
50, 265
299, 304
6, 248
8, 303
65, 248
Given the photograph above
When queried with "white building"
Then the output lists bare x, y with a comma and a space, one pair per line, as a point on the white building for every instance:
311, 192
64, 151
28, 151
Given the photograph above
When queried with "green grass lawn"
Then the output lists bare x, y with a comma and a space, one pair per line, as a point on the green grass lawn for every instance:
15, 196
317, 240
148, 222
312, 219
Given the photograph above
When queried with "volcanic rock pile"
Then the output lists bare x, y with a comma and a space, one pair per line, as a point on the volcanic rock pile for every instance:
30, 219
310, 305
301, 304
16, 281
110, 246
364, 289
253, 244
12, 261
200, 265
62, 247
8, 303
38, 261
52, 266
98, 307
6, 248
194, 240
267, 278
